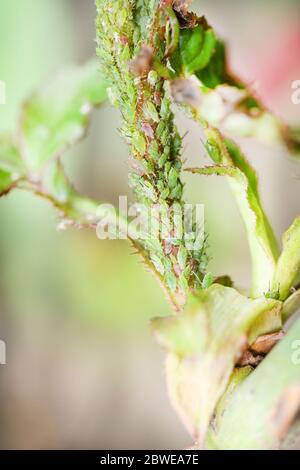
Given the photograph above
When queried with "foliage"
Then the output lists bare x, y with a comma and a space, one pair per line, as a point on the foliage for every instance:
204, 344
51, 121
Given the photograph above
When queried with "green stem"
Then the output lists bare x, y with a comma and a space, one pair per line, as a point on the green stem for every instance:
134, 41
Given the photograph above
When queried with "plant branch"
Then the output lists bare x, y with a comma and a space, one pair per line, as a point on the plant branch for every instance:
135, 40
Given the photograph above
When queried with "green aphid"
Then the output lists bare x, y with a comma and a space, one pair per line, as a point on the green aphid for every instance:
150, 166
187, 272
131, 90
151, 111
275, 295
153, 150
172, 178
183, 283
165, 137
152, 77
165, 108
163, 159
158, 264
121, 17
160, 129
160, 185
213, 151
177, 143
207, 280
167, 168
148, 190
139, 142
128, 112
167, 151
182, 257
171, 280
164, 194
125, 54
177, 192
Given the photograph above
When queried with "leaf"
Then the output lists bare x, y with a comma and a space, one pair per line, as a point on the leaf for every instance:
196, 48
261, 409
267, 323
288, 265
204, 343
56, 187
215, 73
205, 55
291, 305
56, 117
11, 167
191, 41
243, 182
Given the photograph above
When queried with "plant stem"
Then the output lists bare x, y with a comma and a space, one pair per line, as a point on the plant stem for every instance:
133, 48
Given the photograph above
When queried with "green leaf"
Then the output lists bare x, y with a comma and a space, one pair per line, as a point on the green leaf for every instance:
214, 73
291, 305
288, 265
56, 188
56, 117
203, 344
55, 183
243, 182
196, 48
267, 323
205, 55
11, 166
260, 410
191, 41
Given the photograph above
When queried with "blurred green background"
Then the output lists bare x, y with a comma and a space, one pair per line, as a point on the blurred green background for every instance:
82, 370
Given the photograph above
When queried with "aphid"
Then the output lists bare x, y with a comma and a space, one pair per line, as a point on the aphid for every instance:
151, 112
141, 64
207, 280
185, 91
169, 248
177, 270
123, 40
213, 151
157, 98
275, 294
148, 131
137, 167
